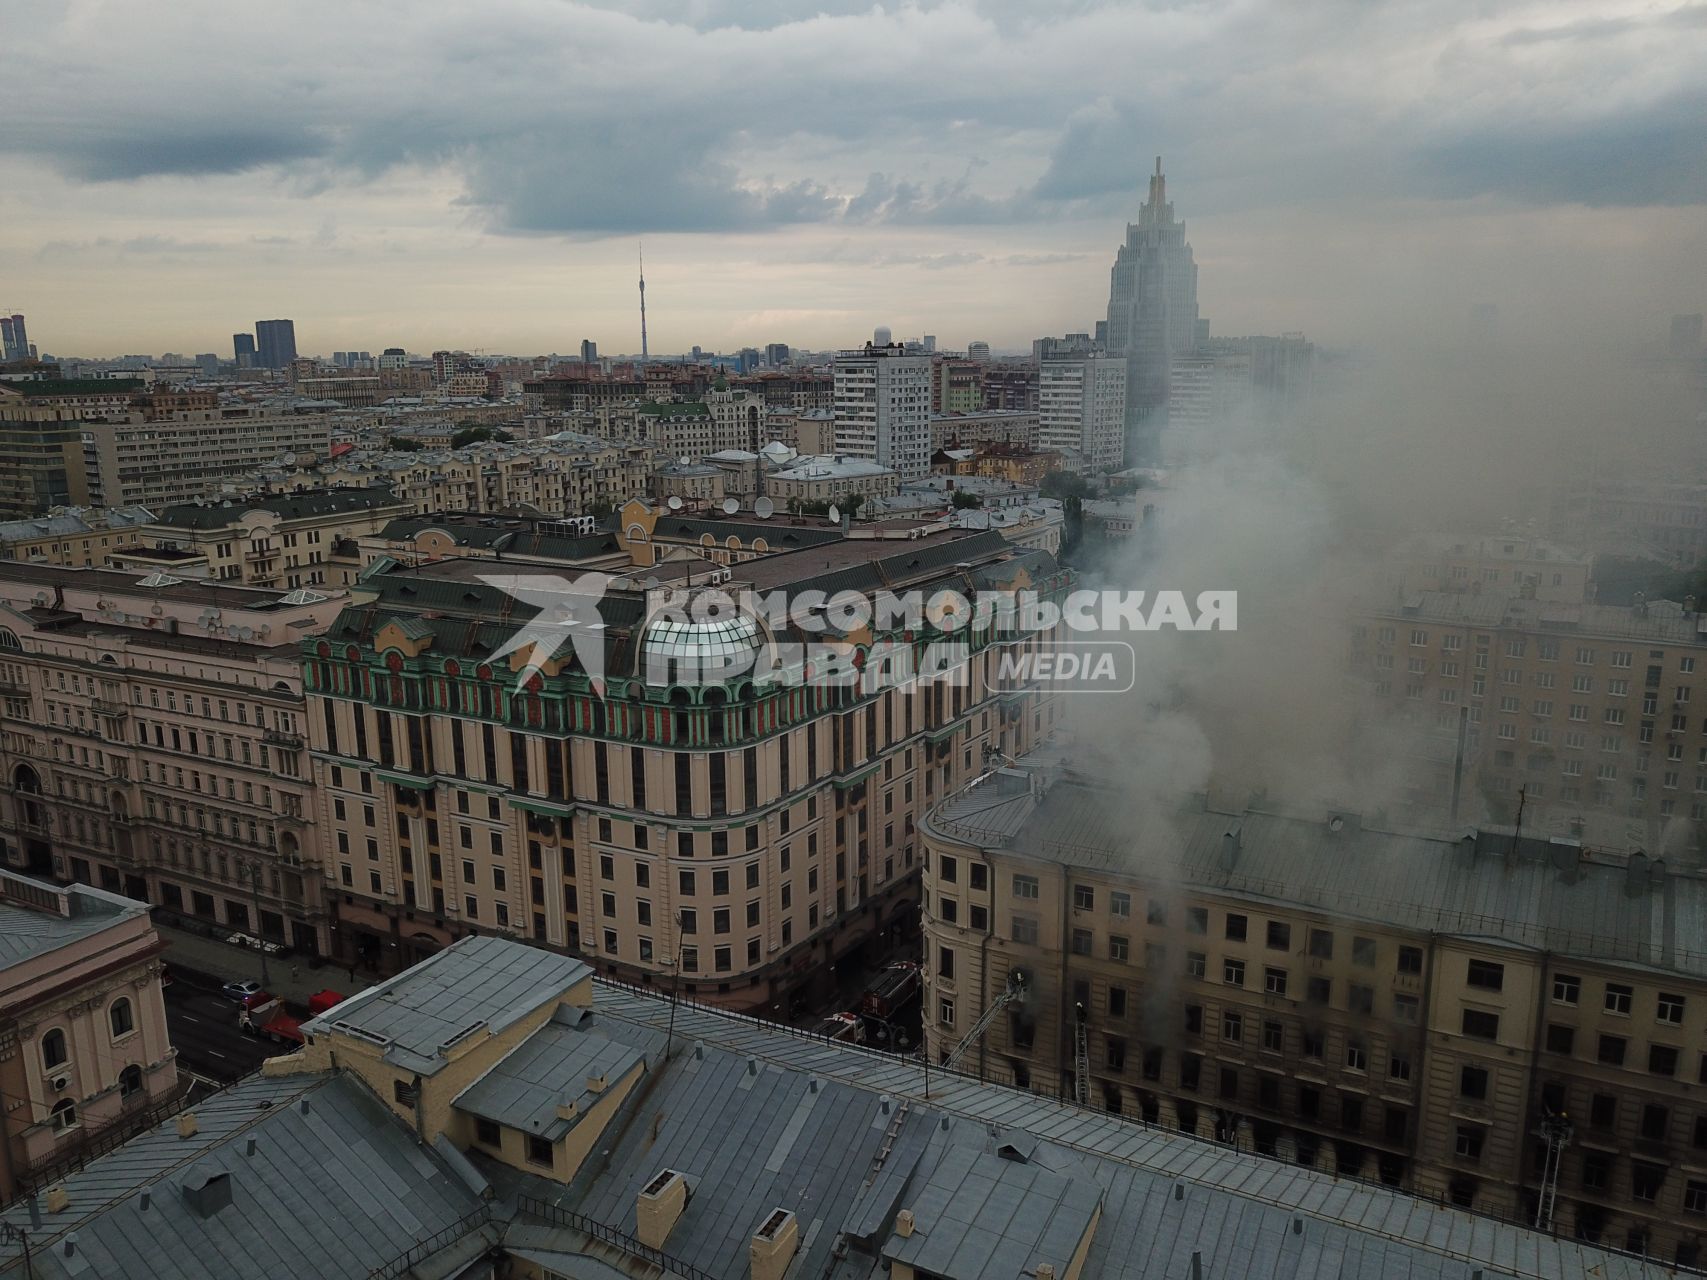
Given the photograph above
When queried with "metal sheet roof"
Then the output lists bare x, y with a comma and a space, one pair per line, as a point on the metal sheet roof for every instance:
335, 1187
478, 984
550, 1068
720, 1108
1530, 892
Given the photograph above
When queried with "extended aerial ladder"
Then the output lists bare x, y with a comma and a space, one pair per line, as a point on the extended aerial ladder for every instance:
1081, 1058
1014, 992
1556, 1133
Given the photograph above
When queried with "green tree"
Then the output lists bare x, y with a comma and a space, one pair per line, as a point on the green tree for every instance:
404, 444
963, 500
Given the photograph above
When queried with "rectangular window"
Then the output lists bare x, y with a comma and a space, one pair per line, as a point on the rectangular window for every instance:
1321, 944
1481, 1024
1236, 926
1025, 887
1618, 998
1274, 981
1486, 975
1279, 935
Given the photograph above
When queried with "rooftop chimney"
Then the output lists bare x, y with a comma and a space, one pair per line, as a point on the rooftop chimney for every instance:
187, 1126
659, 1205
904, 1223
596, 1084
58, 1201
1230, 844
1045, 1271
774, 1245
207, 1193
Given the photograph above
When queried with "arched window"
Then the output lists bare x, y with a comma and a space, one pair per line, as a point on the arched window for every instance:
9, 640
63, 1116
121, 1018
53, 1048
130, 1081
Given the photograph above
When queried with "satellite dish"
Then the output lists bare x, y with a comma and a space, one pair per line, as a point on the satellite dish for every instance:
675, 503
764, 508
730, 506
685, 460
835, 514
290, 459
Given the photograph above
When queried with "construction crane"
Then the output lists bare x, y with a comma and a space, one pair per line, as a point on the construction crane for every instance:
1013, 993
1081, 1058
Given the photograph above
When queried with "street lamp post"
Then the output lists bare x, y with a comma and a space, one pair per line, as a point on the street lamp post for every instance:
253, 870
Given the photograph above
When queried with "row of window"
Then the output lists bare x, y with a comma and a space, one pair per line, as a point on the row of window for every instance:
55, 1047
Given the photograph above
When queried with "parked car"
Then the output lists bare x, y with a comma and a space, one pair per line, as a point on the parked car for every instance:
240, 990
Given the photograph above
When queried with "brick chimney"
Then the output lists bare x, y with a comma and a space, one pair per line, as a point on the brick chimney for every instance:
658, 1207
774, 1245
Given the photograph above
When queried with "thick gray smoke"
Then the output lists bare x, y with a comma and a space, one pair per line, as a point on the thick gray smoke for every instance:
1299, 513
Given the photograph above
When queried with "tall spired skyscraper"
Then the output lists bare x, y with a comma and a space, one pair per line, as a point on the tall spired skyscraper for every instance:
1152, 314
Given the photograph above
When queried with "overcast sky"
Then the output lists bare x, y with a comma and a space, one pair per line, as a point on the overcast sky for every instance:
430, 174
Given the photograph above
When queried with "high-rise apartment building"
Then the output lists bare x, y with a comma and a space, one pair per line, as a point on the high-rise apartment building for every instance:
1152, 313
1440, 1013
275, 343
14, 339
739, 837
1081, 406
589, 351
157, 460
152, 744
883, 408
243, 350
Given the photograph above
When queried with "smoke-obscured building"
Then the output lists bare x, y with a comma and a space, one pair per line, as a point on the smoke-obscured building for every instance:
1414, 1009
1152, 313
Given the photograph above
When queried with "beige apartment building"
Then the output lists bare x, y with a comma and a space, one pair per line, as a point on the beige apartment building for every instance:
307, 539
829, 479
1517, 564
152, 744
739, 838
566, 474
1580, 709
72, 536
1411, 1009
84, 1053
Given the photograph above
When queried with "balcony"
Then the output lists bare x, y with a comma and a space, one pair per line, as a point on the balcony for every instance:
106, 707
279, 738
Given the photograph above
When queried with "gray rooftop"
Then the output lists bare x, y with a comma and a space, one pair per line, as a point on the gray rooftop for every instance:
336, 1186
1540, 892
63, 916
734, 1112
1657, 622
981, 1216
478, 985
550, 1068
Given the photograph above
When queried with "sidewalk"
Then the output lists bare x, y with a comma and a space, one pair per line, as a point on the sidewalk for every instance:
292, 979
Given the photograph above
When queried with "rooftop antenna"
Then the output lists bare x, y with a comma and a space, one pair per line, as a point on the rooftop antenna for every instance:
643, 353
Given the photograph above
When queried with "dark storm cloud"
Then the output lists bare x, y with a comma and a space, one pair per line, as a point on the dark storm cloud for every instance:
1657, 157
718, 116
126, 154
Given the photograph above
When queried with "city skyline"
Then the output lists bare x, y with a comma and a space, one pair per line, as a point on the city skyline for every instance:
1529, 158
